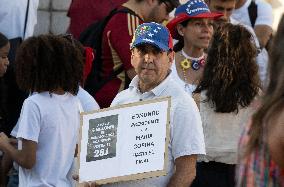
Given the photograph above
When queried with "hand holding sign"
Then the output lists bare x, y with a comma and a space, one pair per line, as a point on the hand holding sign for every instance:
125, 143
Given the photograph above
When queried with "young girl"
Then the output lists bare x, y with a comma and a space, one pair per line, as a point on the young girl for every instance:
192, 26
228, 86
4, 62
49, 67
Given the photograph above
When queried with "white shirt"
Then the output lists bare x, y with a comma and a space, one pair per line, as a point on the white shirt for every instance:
52, 121
13, 15
87, 101
264, 13
186, 134
222, 132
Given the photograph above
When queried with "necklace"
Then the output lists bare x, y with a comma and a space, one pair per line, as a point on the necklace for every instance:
190, 62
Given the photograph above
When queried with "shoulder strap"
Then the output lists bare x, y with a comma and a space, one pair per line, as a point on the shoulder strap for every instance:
106, 20
252, 10
26, 18
93, 89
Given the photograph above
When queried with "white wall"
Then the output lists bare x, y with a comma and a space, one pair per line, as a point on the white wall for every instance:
52, 16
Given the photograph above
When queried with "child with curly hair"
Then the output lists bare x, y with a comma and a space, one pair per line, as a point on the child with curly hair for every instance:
50, 68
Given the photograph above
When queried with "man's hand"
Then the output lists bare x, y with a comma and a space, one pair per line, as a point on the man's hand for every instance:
84, 184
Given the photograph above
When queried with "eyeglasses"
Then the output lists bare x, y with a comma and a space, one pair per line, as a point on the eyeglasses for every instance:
169, 6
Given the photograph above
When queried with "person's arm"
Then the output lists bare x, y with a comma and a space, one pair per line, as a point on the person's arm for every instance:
120, 38
187, 141
185, 171
276, 140
263, 33
263, 22
6, 164
26, 157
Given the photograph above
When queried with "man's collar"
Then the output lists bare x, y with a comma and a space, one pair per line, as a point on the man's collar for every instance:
157, 90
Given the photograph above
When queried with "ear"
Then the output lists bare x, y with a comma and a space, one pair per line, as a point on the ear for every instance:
180, 29
132, 57
171, 57
132, 54
150, 3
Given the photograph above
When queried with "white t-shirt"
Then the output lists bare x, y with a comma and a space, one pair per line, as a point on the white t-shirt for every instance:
186, 133
87, 101
13, 15
53, 122
262, 57
264, 13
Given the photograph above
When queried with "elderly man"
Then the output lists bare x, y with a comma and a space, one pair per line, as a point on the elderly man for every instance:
152, 57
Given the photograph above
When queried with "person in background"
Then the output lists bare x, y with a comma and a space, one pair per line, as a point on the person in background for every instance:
50, 68
116, 38
226, 7
228, 87
261, 146
262, 24
17, 21
192, 26
4, 62
82, 13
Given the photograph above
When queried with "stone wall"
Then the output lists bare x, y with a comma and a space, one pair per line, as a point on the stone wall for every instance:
52, 17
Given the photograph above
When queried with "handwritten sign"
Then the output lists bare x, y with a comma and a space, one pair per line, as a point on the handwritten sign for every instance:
126, 142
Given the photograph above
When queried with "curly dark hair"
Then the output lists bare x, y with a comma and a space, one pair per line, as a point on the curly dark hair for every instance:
230, 76
48, 62
273, 100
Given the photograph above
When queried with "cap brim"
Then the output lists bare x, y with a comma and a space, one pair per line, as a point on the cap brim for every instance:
183, 17
154, 43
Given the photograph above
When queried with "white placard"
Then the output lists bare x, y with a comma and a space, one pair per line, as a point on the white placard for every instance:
126, 142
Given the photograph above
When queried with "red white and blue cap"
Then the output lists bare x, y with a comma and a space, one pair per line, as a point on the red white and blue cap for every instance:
191, 9
154, 34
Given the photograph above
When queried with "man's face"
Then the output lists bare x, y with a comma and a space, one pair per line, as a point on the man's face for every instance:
160, 11
151, 64
226, 7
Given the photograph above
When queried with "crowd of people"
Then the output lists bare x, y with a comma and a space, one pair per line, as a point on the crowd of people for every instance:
225, 84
